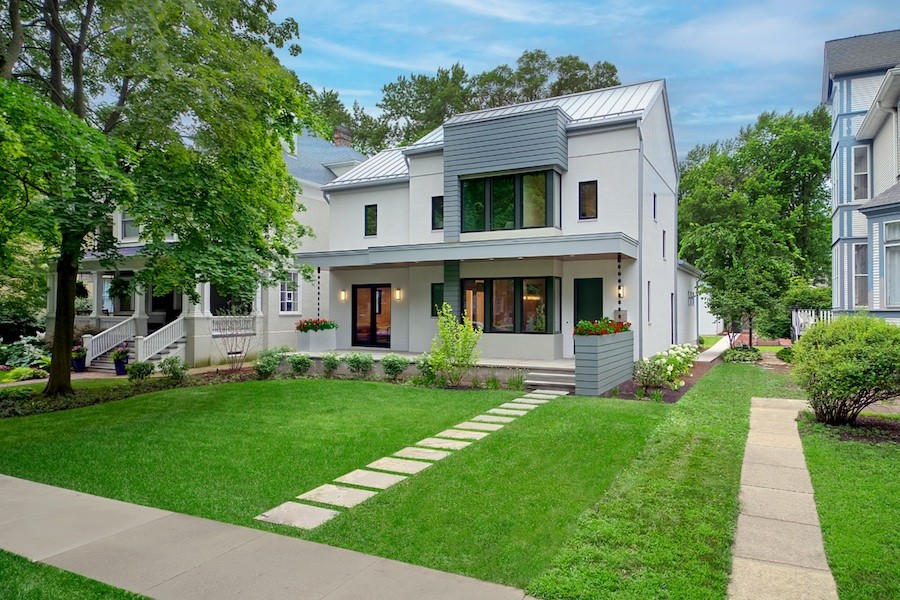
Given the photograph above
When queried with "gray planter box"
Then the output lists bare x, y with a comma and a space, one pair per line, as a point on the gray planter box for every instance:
317, 341
602, 362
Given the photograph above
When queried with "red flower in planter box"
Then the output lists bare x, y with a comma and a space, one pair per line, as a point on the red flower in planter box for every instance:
604, 326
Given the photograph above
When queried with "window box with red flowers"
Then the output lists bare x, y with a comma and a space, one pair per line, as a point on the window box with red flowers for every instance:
316, 335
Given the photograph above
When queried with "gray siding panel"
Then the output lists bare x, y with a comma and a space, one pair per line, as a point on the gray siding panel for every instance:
452, 291
522, 141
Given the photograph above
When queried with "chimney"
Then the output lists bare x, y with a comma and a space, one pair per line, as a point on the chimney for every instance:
342, 136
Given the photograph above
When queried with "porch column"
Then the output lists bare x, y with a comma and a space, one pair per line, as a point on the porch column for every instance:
205, 298
97, 304
188, 308
140, 311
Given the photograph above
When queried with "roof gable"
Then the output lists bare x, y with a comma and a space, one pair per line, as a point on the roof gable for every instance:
859, 54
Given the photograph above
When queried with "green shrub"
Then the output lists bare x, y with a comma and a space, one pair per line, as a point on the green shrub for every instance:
173, 368
516, 382
425, 368
269, 360
393, 365
492, 382
743, 354
300, 363
656, 396
360, 363
701, 341
331, 362
453, 352
786, 354
665, 368
139, 370
848, 364
26, 352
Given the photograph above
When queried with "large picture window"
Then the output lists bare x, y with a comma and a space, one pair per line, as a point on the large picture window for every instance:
860, 172
861, 275
892, 263
502, 202
513, 304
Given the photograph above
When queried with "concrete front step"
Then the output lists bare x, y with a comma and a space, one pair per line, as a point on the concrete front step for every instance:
557, 379
105, 363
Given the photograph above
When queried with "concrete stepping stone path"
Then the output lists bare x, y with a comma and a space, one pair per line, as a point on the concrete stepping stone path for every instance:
337, 495
391, 470
423, 454
370, 479
301, 516
399, 465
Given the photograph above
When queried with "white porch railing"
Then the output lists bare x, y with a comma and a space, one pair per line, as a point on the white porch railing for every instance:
147, 347
804, 318
232, 326
109, 339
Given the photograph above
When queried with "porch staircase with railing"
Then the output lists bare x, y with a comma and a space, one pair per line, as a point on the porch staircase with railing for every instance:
167, 341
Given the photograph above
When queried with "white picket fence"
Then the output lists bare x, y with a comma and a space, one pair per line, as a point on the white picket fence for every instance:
804, 318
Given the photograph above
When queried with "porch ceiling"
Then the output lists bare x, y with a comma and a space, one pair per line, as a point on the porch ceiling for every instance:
600, 245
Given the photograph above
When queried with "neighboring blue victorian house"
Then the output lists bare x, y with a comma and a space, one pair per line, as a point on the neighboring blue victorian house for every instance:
861, 85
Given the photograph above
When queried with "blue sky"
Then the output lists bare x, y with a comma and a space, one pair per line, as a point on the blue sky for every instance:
725, 62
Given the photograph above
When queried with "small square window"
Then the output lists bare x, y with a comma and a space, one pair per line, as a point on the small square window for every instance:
587, 200
437, 212
129, 228
437, 298
371, 219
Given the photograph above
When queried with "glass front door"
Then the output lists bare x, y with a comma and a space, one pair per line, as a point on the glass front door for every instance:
372, 315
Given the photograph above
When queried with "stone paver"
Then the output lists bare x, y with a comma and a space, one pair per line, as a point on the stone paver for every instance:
507, 412
551, 392
778, 550
460, 434
532, 401
301, 516
518, 406
493, 419
540, 396
370, 479
443, 444
337, 495
399, 465
478, 426
423, 453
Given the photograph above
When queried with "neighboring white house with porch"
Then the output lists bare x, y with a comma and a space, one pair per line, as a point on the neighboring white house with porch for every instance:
170, 324
527, 218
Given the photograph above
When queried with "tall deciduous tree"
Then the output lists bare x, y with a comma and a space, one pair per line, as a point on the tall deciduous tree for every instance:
196, 95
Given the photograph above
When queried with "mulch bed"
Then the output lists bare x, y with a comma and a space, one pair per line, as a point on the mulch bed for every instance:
627, 389
871, 429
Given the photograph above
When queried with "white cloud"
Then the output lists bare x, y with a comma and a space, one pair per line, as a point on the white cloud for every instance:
537, 12
411, 62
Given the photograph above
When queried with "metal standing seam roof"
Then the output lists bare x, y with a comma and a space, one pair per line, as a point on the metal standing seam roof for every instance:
583, 108
858, 54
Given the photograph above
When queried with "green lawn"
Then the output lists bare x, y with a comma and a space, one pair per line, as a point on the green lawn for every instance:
24, 580
664, 528
857, 491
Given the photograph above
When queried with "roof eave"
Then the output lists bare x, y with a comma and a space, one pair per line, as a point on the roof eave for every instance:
353, 185
888, 94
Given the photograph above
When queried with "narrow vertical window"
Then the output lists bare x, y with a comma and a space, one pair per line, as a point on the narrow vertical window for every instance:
892, 263
860, 172
473, 204
654, 206
861, 275
290, 294
437, 212
664, 244
587, 200
437, 298
648, 302
371, 219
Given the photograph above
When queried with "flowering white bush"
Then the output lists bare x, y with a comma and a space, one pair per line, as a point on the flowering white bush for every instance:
666, 367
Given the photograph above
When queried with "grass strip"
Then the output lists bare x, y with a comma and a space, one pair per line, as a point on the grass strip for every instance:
502, 508
857, 491
25, 580
665, 527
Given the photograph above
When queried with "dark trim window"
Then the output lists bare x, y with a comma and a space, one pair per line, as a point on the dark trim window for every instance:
437, 212
654, 206
437, 298
513, 304
519, 201
371, 219
587, 199
664, 244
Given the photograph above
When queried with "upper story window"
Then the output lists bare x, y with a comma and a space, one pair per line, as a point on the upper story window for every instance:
289, 299
371, 216
437, 212
860, 172
130, 229
519, 201
664, 245
654, 206
587, 199
861, 275
892, 263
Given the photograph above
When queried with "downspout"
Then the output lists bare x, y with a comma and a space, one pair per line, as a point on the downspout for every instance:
640, 294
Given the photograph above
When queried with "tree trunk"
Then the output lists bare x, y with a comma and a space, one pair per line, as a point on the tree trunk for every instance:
750, 327
64, 328
16, 41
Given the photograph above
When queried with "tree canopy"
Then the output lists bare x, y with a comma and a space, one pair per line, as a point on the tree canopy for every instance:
171, 111
414, 105
754, 211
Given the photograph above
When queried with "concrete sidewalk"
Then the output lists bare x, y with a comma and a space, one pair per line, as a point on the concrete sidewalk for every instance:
778, 550
712, 353
162, 554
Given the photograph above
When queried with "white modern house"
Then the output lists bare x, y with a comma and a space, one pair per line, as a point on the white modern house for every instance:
527, 218
861, 85
155, 326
